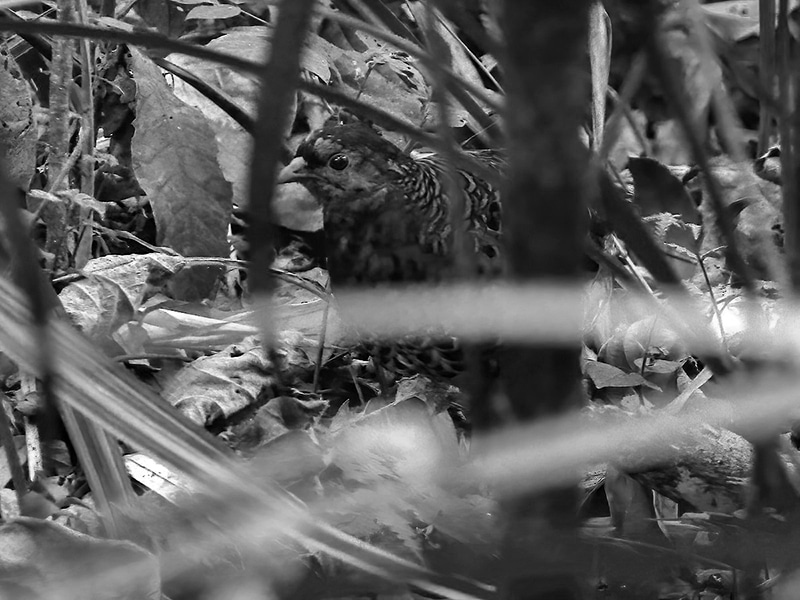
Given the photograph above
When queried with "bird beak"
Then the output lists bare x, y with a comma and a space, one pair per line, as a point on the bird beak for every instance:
294, 171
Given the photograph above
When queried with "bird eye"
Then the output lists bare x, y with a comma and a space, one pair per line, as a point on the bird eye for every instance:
339, 162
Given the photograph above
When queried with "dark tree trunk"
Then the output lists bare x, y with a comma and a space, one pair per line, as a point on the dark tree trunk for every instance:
547, 81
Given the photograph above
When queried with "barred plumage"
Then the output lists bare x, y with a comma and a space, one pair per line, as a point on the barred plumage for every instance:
387, 220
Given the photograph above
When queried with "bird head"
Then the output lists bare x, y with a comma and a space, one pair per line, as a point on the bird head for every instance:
345, 162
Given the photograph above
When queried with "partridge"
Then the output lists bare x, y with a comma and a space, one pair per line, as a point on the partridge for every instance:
387, 220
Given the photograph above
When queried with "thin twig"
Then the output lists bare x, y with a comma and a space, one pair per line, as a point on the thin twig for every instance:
711, 295
72, 159
321, 347
87, 113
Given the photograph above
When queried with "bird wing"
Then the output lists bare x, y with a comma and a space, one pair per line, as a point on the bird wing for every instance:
483, 209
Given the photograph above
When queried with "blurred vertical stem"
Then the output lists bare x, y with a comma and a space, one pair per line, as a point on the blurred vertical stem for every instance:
476, 383
60, 81
436, 46
546, 74
279, 80
787, 123
766, 69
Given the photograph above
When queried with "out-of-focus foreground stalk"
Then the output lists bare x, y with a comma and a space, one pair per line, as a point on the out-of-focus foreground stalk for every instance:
546, 73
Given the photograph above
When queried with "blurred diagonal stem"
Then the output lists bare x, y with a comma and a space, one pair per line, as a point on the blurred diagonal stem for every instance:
154, 40
650, 18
